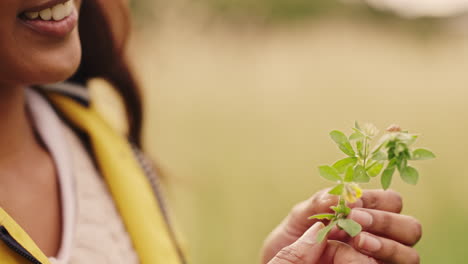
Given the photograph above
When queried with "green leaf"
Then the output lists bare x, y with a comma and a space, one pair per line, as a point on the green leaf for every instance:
356, 135
400, 147
346, 210
338, 190
324, 231
412, 139
422, 154
360, 147
375, 169
336, 209
322, 216
342, 202
360, 174
393, 162
401, 163
350, 226
387, 176
379, 147
343, 164
341, 209
380, 155
349, 176
343, 143
410, 175
329, 173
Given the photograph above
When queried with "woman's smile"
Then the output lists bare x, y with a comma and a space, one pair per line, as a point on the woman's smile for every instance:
56, 18
39, 41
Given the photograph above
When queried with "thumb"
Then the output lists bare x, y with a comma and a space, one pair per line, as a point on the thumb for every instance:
306, 250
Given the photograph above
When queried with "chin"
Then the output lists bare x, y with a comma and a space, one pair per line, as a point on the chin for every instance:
54, 65
58, 71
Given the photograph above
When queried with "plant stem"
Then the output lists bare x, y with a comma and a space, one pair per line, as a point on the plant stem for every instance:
365, 152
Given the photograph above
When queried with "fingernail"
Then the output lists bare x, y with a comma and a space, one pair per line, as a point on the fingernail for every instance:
363, 218
310, 236
369, 243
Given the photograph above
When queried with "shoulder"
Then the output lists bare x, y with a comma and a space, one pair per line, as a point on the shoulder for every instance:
97, 95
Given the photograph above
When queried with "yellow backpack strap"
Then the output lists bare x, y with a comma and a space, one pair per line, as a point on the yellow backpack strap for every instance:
132, 191
16, 246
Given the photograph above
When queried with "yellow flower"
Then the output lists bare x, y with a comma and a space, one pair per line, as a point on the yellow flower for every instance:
352, 192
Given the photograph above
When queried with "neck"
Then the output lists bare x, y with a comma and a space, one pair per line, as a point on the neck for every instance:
16, 133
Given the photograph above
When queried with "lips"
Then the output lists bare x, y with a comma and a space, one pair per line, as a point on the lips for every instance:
53, 19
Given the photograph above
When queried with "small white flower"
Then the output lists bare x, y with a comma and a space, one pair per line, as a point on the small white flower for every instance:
370, 130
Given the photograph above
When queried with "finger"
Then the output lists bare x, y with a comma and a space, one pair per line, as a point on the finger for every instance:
401, 228
386, 250
306, 250
341, 253
321, 202
297, 221
338, 234
389, 200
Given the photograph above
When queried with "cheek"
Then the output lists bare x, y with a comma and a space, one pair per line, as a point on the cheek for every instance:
29, 58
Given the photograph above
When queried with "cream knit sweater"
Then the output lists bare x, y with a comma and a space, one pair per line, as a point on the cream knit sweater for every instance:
93, 231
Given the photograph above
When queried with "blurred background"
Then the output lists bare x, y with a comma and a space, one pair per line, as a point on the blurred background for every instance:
241, 95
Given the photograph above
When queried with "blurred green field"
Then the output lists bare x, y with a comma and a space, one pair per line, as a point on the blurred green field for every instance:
239, 115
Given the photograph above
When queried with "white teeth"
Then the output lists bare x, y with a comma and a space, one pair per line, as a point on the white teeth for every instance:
57, 12
46, 14
32, 15
69, 6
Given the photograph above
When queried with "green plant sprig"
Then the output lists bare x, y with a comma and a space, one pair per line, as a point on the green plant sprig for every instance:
367, 158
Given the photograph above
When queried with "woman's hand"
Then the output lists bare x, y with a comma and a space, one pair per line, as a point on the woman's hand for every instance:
306, 250
387, 236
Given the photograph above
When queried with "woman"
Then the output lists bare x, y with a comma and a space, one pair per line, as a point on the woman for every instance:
72, 190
